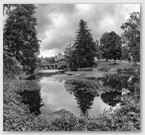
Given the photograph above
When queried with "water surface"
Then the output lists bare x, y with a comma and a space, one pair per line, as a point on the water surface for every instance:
55, 97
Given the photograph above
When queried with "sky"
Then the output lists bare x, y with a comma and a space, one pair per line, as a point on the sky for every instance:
58, 23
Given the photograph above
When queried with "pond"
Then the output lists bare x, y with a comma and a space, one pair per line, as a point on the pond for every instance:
55, 96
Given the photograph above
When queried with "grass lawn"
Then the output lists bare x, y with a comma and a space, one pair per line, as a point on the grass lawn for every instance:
119, 64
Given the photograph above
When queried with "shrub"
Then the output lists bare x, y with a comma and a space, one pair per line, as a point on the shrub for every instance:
62, 66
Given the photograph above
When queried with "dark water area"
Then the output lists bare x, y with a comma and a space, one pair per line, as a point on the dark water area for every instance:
120, 81
54, 96
33, 100
111, 98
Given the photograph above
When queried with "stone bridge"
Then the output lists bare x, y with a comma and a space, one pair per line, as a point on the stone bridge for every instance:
50, 66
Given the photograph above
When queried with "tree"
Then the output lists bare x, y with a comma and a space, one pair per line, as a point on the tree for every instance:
131, 35
50, 59
20, 36
125, 53
98, 50
70, 57
111, 46
8, 7
104, 46
84, 46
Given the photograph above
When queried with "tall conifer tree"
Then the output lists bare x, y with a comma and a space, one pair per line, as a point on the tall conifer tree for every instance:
84, 46
20, 36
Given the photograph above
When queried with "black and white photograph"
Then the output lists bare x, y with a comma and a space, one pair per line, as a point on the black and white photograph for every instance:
71, 67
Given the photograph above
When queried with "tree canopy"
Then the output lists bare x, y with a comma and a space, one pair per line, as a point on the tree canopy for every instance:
82, 52
131, 35
111, 45
20, 36
70, 57
84, 46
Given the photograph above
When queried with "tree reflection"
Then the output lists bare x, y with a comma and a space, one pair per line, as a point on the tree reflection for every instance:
115, 81
111, 98
84, 99
33, 100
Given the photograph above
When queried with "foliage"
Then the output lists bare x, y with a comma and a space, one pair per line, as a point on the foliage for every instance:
50, 59
11, 67
82, 53
62, 66
98, 50
85, 46
127, 118
20, 40
70, 123
8, 7
125, 53
70, 57
131, 35
111, 45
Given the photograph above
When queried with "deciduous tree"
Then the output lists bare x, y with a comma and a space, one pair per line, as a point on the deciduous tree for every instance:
111, 45
131, 35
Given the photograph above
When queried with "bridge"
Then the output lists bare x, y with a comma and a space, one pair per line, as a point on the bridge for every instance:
50, 66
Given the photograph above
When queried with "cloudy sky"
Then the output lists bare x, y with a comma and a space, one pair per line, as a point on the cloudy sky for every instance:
58, 24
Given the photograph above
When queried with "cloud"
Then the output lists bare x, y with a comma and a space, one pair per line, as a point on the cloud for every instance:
58, 23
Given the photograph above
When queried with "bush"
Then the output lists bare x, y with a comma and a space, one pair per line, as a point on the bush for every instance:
62, 66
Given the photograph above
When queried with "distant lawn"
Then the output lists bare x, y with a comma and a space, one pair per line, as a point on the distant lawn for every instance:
119, 64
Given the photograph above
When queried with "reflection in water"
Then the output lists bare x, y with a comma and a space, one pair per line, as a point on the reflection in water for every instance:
115, 81
33, 100
55, 97
119, 81
84, 100
122, 82
111, 98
